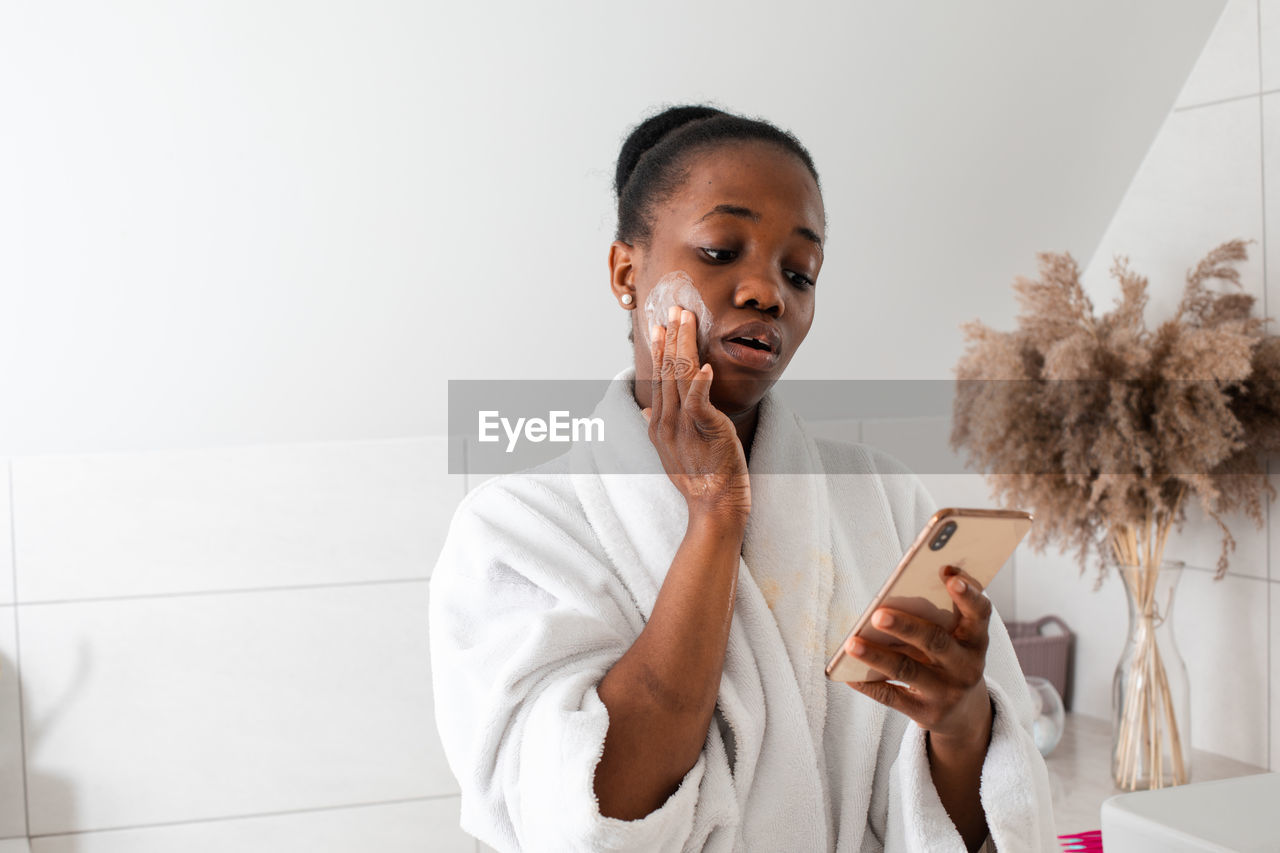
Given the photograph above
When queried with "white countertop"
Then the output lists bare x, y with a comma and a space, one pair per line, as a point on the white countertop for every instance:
1080, 772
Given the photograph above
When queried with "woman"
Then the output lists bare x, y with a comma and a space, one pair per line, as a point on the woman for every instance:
632, 662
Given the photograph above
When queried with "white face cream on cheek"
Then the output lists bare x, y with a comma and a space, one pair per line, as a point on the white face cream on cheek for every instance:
677, 288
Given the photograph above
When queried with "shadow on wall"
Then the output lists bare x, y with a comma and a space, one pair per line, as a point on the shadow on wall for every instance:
56, 794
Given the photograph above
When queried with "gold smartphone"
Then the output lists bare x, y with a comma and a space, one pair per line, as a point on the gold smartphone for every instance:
980, 541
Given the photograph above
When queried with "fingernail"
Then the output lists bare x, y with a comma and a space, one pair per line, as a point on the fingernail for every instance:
857, 647
960, 586
673, 313
686, 316
884, 620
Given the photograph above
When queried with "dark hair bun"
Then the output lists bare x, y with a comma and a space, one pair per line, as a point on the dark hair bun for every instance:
647, 134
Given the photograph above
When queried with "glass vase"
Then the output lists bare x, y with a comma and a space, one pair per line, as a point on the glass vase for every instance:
1150, 694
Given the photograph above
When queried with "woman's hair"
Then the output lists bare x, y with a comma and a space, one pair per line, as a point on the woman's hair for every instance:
654, 161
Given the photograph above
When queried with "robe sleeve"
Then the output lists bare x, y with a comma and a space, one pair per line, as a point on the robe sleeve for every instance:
524, 621
1014, 787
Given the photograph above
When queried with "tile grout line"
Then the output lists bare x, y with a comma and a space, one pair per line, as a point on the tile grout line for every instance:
17, 651
1221, 101
217, 447
1262, 178
1271, 633
250, 816
143, 596
1262, 161
1235, 575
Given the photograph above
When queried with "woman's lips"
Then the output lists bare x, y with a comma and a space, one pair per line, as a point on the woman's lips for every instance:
747, 356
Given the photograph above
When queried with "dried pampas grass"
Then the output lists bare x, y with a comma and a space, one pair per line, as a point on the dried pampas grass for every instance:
1105, 428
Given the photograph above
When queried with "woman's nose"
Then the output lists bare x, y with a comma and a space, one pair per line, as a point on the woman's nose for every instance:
758, 290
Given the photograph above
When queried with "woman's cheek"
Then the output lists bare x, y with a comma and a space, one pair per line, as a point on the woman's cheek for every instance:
677, 288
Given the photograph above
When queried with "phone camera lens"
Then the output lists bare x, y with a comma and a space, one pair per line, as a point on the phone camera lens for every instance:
943, 535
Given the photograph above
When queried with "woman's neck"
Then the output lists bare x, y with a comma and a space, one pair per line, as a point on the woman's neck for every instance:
745, 424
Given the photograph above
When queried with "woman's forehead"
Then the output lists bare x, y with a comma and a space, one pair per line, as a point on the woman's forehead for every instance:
742, 174
751, 185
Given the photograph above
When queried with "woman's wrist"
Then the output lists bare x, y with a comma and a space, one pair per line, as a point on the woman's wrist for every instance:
974, 741
718, 524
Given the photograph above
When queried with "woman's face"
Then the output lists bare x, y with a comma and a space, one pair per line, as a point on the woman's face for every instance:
747, 227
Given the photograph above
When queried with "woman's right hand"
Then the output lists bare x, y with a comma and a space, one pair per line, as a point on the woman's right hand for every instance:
698, 443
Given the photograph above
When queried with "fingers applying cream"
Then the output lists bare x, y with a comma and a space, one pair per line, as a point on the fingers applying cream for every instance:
677, 288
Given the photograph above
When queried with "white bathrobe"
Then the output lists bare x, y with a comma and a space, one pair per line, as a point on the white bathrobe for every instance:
547, 577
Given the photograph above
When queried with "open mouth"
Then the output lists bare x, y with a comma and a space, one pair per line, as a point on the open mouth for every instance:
754, 343
756, 335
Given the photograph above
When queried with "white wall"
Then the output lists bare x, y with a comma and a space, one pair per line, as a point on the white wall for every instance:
242, 247
223, 649
252, 222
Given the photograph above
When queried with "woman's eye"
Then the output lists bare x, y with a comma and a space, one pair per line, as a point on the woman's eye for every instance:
799, 280
722, 255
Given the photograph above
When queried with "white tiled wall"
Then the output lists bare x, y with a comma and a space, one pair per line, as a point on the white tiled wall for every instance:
1198, 186
283, 700
1269, 43
168, 522
1274, 674
6, 540
410, 827
224, 649
1228, 66
1222, 635
13, 819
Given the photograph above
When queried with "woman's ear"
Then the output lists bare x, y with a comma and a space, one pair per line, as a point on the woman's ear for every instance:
623, 262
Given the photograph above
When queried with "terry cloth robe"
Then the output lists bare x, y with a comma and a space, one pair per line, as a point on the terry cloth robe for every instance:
546, 578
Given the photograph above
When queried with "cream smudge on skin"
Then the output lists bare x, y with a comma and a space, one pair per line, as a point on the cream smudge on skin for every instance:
677, 288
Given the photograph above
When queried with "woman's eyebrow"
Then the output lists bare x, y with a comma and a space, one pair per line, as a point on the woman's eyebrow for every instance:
747, 213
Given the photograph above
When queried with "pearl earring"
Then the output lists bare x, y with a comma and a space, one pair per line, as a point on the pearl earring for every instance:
626, 299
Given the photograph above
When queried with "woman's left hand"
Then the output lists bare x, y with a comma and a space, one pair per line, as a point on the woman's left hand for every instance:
946, 693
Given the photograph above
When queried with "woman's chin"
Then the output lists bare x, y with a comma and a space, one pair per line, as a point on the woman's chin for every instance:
734, 389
